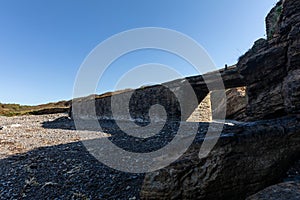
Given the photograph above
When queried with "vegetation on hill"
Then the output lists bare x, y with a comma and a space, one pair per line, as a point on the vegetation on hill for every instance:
49, 108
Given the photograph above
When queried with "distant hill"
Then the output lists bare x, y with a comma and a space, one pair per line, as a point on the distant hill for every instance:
49, 108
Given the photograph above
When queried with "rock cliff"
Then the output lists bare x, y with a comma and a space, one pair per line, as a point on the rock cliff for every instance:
271, 68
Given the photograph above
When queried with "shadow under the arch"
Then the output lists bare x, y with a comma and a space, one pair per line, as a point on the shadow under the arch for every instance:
65, 171
121, 138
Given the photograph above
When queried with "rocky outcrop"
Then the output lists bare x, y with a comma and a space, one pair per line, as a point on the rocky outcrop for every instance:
247, 158
282, 191
289, 189
291, 92
271, 67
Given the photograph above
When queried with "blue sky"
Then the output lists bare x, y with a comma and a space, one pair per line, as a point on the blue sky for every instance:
43, 43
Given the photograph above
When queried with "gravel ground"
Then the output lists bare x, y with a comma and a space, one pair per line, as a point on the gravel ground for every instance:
42, 158
294, 173
23, 133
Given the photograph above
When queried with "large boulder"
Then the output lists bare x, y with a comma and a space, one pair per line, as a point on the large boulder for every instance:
247, 158
282, 191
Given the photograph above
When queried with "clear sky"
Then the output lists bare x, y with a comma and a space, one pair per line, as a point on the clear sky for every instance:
43, 43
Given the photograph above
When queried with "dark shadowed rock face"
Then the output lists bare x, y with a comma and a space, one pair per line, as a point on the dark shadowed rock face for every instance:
282, 191
271, 67
288, 190
247, 158
235, 102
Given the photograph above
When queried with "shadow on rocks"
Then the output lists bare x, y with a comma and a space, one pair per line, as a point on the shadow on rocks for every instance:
120, 137
64, 171
60, 123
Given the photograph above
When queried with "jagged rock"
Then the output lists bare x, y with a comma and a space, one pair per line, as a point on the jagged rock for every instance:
272, 21
282, 191
247, 158
271, 67
291, 91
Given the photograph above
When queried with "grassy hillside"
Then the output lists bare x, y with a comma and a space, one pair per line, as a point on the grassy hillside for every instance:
50, 108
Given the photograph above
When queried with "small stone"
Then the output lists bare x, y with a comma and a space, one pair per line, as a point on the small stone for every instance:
15, 125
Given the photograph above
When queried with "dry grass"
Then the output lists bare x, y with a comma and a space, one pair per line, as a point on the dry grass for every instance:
50, 108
